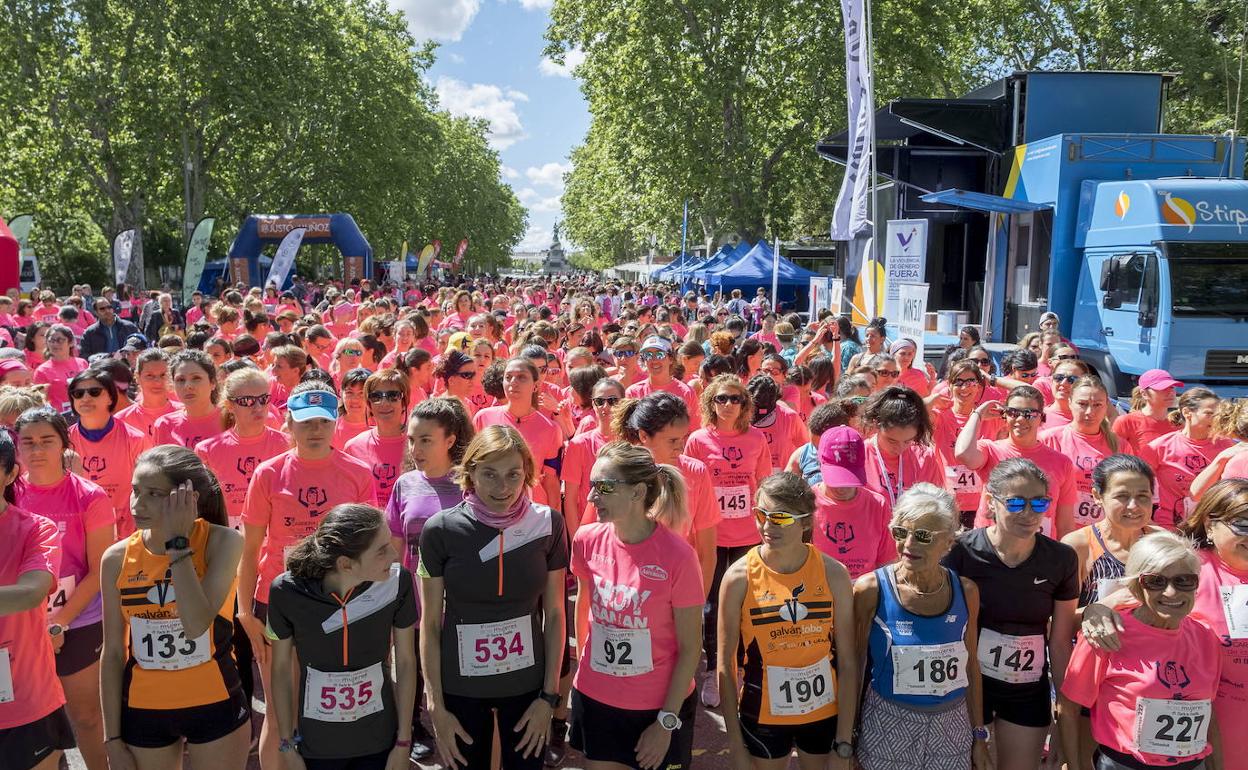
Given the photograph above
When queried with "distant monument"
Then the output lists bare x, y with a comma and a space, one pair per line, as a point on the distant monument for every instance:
554, 260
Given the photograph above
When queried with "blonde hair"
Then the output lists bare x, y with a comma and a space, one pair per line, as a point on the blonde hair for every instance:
923, 499
1094, 382
665, 500
1231, 419
15, 400
718, 385
722, 343
494, 441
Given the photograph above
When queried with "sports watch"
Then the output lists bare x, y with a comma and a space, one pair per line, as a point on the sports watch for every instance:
669, 721
843, 749
979, 733
177, 543
55, 630
551, 698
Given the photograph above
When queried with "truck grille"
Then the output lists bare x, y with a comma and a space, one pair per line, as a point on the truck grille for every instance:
1226, 363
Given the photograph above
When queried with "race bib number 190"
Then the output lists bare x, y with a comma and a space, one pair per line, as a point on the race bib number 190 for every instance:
798, 691
486, 649
1172, 728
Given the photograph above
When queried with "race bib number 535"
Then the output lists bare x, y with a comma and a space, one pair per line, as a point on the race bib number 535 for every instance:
343, 696
486, 649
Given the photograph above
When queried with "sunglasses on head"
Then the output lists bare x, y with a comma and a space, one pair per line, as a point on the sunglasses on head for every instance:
1017, 504
1026, 414
1155, 583
858, 400
606, 486
606, 400
729, 398
778, 518
393, 396
247, 402
1030, 375
1068, 357
1238, 526
1060, 378
924, 536
92, 391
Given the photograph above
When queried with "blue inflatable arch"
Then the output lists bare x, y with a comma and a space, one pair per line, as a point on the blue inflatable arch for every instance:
338, 229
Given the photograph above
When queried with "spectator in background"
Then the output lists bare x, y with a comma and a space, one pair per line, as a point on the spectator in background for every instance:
108, 334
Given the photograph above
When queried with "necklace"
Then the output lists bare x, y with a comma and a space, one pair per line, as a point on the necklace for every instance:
915, 588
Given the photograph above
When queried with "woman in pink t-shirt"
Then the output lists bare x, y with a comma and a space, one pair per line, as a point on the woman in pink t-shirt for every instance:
353, 415
1086, 441
152, 373
348, 355
581, 451
543, 435
381, 447
899, 453
107, 448
917, 378
458, 374
1065, 375
61, 364
1152, 695
966, 382
1178, 457
247, 441
780, 424
1230, 422
195, 383
639, 608
83, 513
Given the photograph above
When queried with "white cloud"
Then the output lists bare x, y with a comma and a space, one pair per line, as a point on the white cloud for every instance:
509, 173
489, 103
536, 239
537, 203
571, 60
549, 175
437, 19
454, 58
518, 96
537, 5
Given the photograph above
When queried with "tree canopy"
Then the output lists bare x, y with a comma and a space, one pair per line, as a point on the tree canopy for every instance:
259, 106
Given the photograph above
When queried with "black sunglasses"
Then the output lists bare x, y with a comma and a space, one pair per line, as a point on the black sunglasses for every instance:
465, 375
393, 396
92, 391
729, 398
606, 400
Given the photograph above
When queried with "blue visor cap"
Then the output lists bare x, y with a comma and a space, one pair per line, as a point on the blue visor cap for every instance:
312, 404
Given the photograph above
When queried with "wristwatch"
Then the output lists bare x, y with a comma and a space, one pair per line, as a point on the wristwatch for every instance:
177, 543
979, 733
55, 630
551, 698
669, 721
843, 749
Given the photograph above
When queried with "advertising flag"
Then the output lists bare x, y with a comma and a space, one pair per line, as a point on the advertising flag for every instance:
284, 260
196, 256
459, 252
123, 249
426, 256
850, 216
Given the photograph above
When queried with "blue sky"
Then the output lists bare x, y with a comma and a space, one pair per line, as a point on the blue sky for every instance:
490, 65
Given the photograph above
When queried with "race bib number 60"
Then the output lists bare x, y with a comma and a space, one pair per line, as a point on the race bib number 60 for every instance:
343, 696
734, 502
929, 669
486, 649
1172, 728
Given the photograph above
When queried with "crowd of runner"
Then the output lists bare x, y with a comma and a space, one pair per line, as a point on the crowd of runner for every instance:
496, 520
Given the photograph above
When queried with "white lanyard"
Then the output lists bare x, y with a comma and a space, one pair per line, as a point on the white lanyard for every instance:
884, 480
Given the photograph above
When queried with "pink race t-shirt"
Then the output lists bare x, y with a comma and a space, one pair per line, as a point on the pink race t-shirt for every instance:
180, 430
1058, 467
578, 460
854, 532
384, 458
1157, 673
633, 591
738, 464
543, 436
344, 431
56, 375
143, 418
966, 485
784, 434
77, 507
1084, 452
234, 459
1139, 428
700, 493
916, 380
1236, 467
110, 462
892, 475
1222, 604
31, 544
1054, 417
676, 388
1178, 460
288, 496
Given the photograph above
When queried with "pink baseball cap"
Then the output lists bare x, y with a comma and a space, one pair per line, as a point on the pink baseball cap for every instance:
842, 457
1158, 379
11, 365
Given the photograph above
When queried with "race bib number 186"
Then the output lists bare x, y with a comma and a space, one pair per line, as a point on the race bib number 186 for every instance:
929, 669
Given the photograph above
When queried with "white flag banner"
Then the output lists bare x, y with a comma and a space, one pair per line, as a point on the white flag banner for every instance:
123, 249
284, 260
850, 216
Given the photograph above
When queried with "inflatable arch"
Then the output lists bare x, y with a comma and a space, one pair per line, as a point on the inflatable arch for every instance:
338, 229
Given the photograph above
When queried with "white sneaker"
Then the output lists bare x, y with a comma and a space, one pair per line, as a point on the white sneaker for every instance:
710, 691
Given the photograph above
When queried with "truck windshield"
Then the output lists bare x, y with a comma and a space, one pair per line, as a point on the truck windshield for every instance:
1208, 278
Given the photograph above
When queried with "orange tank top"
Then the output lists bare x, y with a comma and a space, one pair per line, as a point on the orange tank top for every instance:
786, 627
165, 669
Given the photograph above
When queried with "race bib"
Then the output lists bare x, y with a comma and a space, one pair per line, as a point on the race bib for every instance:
343, 696
1171, 728
1088, 510
6, 677
962, 480
621, 651
797, 691
734, 502
162, 645
486, 649
1012, 659
929, 669
60, 595
1106, 586
1235, 606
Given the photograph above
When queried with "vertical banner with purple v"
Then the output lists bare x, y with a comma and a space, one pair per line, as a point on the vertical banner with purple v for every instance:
905, 260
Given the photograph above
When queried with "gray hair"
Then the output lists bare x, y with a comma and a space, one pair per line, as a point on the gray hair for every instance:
923, 499
1157, 551
848, 385
1011, 469
878, 360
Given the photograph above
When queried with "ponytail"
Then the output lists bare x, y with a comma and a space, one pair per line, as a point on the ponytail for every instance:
622, 420
1139, 398
347, 530
666, 501
670, 508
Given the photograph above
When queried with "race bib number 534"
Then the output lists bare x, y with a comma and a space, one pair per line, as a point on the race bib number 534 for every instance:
487, 649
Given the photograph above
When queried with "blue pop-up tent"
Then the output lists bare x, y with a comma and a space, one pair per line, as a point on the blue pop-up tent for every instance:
721, 260
672, 270
754, 270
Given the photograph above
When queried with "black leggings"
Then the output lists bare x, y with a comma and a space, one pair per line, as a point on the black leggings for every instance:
476, 715
724, 557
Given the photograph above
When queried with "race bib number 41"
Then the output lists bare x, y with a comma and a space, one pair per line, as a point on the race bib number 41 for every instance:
486, 649
1013, 659
60, 595
797, 691
162, 644
929, 669
343, 696
1171, 728
621, 651
734, 502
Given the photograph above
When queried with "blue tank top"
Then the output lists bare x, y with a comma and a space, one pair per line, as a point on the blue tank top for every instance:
918, 660
808, 464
